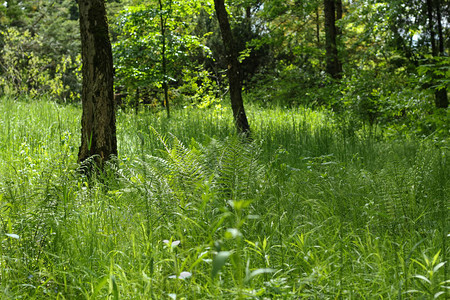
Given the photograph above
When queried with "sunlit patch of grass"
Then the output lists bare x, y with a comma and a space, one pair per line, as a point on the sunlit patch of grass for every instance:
188, 210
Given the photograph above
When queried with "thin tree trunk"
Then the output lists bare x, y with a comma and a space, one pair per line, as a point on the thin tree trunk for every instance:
164, 59
137, 96
233, 71
339, 13
441, 98
434, 50
441, 95
98, 123
440, 30
318, 27
339, 10
333, 66
437, 49
248, 18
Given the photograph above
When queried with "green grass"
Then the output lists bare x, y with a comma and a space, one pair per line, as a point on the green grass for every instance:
187, 211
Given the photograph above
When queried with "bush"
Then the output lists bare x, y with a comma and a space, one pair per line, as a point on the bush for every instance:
25, 71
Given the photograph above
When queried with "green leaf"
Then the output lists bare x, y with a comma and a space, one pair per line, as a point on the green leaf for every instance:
422, 278
13, 235
435, 258
114, 288
240, 204
438, 266
99, 286
232, 233
419, 263
258, 272
219, 261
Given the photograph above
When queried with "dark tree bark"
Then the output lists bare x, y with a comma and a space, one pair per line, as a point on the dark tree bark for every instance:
233, 71
98, 123
248, 18
434, 51
440, 30
163, 23
333, 66
339, 10
318, 27
441, 95
437, 47
339, 14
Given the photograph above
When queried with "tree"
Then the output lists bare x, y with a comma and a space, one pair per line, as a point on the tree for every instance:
437, 47
155, 46
163, 17
44, 49
333, 66
98, 124
233, 69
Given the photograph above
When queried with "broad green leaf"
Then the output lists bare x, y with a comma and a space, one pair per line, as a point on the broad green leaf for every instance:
232, 233
422, 278
438, 266
258, 272
13, 235
219, 261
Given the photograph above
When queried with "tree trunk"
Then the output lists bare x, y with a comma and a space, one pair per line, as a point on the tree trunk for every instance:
339, 13
98, 123
248, 18
434, 51
318, 26
339, 10
437, 49
165, 85
233, 71
333, 66
441, 95
440, 30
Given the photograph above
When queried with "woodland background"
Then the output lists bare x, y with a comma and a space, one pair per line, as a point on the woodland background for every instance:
392, 55
340, 193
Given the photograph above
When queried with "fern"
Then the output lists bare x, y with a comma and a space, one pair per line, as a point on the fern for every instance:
238, 170
229, 169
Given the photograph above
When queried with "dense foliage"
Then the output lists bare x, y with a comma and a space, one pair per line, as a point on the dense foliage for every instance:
340, 191
303, 211
394, 56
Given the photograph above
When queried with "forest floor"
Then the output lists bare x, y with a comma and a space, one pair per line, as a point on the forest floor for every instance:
187, 210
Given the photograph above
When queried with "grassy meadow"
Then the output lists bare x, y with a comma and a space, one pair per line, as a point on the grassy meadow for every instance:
306, 210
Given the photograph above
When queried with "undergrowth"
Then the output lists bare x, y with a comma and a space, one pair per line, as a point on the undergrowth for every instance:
189, 211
